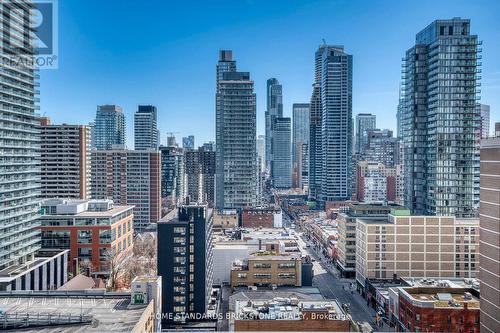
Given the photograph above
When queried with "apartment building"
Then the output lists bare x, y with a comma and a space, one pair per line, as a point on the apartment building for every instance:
346, 246
129, 177
93, 230
185, 261
423, 246
65, 160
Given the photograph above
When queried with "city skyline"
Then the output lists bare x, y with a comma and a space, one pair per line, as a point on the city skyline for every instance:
375, 88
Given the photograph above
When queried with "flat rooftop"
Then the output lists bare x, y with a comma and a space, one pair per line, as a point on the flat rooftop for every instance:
281, 308
106, 312
439, 297
301, 293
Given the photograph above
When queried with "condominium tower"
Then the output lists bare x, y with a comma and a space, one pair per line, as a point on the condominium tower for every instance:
19, 145
336, 123
146, 135
281, 165
65, 160
274, 94
236, 153
441, 123
109, 127
300, 142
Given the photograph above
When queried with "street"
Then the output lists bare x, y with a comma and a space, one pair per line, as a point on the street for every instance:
327, 280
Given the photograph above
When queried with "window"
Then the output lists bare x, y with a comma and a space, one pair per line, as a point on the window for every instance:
180, 260
287, 265
103, 253
83, 221
180, 230
52, 239
261, 265
84, 253
84, 236
105, 236
179, 240
179, 249
262, 276
179, 269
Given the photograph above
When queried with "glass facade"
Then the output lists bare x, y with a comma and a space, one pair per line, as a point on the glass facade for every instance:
236, 152
19, 140
440, 122
109, 127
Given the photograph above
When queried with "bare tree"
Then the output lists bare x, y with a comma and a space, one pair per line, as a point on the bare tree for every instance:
116, 265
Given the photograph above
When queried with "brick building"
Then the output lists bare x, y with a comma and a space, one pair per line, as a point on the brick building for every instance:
265, 217
438, 309
266, 268
91, 229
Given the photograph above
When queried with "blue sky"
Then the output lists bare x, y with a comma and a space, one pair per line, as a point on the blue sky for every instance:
164, 53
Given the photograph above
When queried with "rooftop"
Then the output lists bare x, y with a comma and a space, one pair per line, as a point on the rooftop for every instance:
95, 311
282, 308
441, 297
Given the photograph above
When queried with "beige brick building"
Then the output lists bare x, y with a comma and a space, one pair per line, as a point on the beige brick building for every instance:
265, 268
346, 246
420, 246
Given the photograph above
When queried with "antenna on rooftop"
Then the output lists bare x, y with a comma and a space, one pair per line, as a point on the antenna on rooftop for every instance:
324, 41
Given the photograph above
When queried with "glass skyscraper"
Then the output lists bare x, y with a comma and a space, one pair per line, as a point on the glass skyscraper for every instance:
274, 94
440, 122
335, 81
19, 146
282, 161
109, 127
236, 152
300, 142
146, 128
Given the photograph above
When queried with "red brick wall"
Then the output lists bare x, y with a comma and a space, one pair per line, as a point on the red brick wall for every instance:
438, 319
255, 219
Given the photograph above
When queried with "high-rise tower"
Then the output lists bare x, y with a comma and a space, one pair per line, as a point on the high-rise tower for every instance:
236, 153
440, 122
336, 123
109, 127
274, 94
146, 128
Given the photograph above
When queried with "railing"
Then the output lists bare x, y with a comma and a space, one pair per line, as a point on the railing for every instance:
18, 320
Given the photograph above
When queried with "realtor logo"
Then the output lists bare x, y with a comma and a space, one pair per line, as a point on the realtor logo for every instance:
30, 33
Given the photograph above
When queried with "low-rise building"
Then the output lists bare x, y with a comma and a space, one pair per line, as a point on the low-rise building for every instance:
267, 268
290, 314
84, 310
437, 309
93, 230
424, 246
47, 270
262, 217
226, 219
